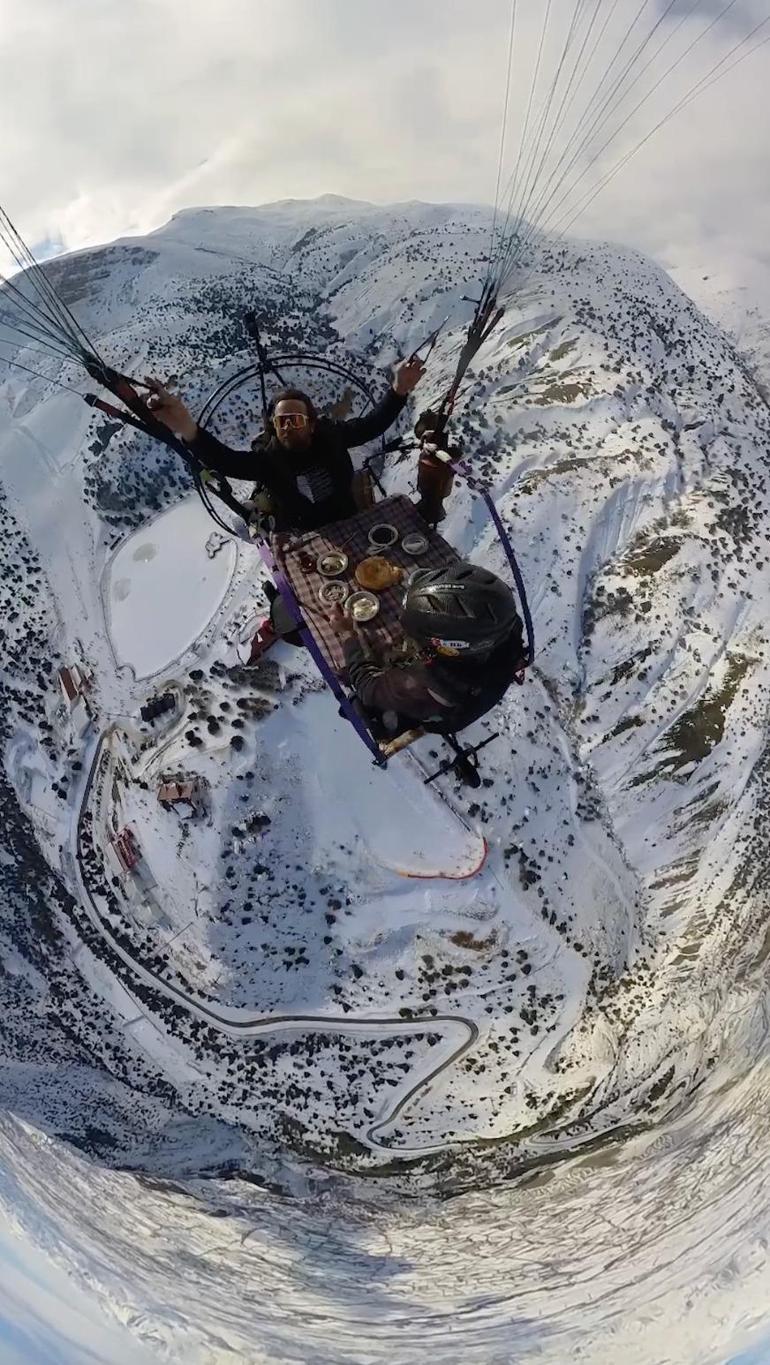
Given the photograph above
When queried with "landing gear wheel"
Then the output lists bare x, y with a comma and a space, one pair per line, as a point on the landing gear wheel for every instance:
466, 771
464, 764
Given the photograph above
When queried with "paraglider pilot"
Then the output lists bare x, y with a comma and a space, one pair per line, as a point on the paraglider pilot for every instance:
469, 647
302, 465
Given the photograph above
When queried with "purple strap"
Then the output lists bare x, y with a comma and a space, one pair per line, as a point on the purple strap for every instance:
473, 483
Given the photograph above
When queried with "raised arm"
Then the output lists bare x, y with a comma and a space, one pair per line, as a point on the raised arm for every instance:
234, 464
358, 430
404, 690
173, 413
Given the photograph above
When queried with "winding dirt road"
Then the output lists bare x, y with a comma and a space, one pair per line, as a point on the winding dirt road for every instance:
237, 1023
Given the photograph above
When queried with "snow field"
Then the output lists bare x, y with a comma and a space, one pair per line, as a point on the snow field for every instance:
162, 588
604, 971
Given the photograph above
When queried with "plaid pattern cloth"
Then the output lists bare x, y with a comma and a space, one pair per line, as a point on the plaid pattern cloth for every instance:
384, 632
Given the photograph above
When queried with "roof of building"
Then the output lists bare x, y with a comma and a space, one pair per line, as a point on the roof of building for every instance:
74, 682
126, 849
179, 791
69, 684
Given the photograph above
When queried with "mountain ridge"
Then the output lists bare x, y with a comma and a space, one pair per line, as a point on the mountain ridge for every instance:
606, 953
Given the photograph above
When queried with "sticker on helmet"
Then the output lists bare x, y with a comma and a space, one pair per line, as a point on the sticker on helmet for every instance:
450, 644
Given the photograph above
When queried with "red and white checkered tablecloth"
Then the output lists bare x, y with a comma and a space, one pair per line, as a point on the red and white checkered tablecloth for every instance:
384, 632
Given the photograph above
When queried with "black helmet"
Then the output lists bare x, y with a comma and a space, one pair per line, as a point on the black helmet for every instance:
462, 606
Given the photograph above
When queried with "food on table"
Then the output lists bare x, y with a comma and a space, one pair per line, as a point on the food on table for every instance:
332, 592
362, 606
383, 535
414, 544
332, 563
377, 573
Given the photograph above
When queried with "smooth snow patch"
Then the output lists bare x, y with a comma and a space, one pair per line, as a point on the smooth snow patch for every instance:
390, 816
162, 588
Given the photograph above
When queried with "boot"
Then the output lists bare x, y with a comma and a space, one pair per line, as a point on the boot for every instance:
264, 640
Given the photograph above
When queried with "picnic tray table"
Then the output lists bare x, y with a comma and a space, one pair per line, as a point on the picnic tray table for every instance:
383, 633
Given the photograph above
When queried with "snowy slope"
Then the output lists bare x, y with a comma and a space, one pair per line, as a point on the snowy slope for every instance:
736, 296
269, 984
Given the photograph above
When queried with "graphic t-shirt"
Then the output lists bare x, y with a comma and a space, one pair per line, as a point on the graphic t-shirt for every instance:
315, 484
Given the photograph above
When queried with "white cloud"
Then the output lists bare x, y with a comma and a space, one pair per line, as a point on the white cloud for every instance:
125, 112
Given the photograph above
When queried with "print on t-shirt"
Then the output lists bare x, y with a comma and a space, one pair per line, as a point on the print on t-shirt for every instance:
315, 484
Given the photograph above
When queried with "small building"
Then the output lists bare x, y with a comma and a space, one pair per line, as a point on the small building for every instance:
186, 796
69, 687
76, 712
74, 683
124, 852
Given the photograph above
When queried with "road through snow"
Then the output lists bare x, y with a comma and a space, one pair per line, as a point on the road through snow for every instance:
329, 1113
239, 1024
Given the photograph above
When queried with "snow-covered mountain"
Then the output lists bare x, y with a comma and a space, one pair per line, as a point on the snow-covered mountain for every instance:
265, 996
736, 296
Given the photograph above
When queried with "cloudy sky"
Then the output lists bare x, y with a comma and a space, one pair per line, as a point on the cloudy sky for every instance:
125, 110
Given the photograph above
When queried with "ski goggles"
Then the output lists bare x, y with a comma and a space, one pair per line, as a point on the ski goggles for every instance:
291, 421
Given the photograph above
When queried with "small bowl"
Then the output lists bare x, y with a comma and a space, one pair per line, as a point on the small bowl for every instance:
362, 606
332, 563
383, 535
414, 544
331, 592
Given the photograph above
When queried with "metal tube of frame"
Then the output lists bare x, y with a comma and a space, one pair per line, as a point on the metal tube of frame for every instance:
504, 539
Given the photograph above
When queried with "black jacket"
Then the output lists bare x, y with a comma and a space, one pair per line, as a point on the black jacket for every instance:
307, 489
446, 694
